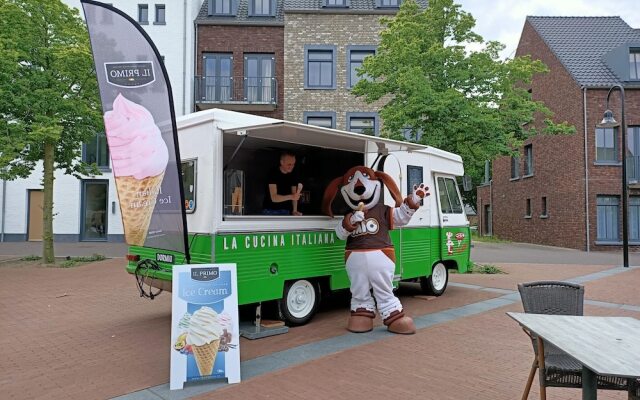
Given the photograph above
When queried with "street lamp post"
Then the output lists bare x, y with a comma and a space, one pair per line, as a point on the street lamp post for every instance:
609, 122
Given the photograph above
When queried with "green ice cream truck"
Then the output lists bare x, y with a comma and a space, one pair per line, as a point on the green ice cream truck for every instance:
292, 260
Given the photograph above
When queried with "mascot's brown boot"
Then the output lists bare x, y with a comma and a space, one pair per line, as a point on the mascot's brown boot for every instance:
360, 321
397, 322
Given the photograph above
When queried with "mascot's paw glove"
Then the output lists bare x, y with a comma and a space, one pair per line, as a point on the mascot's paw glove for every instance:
357, 216
419, 192
349, 220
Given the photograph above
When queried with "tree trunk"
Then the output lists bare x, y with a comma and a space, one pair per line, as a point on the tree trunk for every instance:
47, 226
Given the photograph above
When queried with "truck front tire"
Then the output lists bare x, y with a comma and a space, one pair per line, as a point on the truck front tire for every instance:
299, 302
436, 283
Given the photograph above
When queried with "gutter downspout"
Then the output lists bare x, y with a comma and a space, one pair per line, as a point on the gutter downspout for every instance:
196, 60
4, 202
184, 59
586, 168
491, 206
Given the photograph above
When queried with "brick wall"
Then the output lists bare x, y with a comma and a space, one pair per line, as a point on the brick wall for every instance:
241, 40
558, 162
325, 29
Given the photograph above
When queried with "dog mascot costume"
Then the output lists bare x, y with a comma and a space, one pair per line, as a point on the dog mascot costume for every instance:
369, 253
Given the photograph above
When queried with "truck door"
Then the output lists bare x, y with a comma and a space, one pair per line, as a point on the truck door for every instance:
453, 221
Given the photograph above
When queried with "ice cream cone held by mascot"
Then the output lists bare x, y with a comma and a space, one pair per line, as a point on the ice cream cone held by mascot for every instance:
369, 252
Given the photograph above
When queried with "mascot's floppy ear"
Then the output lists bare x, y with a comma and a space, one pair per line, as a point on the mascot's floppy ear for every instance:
329, 195
391, 186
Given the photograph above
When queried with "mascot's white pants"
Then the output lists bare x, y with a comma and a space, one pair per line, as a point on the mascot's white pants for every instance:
367, 270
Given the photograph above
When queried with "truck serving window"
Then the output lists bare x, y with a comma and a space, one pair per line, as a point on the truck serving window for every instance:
449, 199
189, 185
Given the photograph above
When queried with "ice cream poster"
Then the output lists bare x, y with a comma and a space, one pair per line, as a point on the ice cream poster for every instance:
140, 127
205, 339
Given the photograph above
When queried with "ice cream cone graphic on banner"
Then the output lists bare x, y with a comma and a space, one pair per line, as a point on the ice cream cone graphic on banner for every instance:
139, 156
205, 332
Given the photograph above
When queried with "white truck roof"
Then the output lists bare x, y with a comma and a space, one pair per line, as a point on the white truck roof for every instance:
232, 122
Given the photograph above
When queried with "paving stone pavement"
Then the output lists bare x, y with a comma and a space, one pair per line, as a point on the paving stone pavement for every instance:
83, 333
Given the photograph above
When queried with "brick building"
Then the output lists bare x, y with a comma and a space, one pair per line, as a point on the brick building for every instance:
323, 47
239, 56
566, 190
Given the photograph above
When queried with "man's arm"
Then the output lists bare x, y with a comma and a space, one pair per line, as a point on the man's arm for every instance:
279, 198
294, 199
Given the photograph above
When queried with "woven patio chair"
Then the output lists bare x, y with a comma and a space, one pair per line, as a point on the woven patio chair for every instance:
559, 370
634, 389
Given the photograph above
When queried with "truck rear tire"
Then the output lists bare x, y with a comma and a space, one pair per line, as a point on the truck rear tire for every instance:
299, 302
436, 283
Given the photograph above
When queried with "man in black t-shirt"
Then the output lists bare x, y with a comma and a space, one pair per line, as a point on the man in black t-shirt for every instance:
283, 189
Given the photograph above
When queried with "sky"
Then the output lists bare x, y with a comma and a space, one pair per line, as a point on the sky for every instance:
502, 20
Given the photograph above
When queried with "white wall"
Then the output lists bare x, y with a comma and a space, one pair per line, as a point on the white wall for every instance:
66, 202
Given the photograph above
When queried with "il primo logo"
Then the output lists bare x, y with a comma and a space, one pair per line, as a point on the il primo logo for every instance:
129, 74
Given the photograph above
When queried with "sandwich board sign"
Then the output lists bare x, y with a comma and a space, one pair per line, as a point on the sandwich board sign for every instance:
205, 338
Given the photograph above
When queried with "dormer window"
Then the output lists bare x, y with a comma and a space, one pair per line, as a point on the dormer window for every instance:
634, 64
222, 7
337, 3
262, 8
388, 3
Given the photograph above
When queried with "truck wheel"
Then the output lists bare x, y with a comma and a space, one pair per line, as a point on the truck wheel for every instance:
299, 302
436, 283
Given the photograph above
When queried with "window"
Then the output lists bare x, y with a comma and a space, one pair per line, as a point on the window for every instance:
355, 57
544, 207
528, 160
449, 198
366, 123
189, 184
411, 134
221, 7
527, 213
634, 218
96, 151
388, 3
143, 14
634, 64
261, 8
336, 3
217, 81
633, 154
260, 85
415, 176
320, 67
515, 167
160, 15
325, 119
606, 144
607, 218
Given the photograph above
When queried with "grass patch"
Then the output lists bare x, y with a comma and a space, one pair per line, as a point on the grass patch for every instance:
476, 237
73, 261
490, 269
31, 257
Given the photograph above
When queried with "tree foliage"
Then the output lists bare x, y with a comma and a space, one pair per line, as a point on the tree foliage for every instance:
48, 90
466, 102
49, 102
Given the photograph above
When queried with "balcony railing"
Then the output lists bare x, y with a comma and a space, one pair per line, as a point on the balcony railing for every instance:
229, 90
633, 169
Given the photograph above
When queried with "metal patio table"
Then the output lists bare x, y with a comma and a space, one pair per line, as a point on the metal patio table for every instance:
603, 345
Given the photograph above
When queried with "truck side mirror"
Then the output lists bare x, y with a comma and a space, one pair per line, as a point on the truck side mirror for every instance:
466, 183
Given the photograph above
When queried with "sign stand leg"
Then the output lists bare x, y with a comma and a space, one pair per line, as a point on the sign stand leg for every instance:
255, 330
